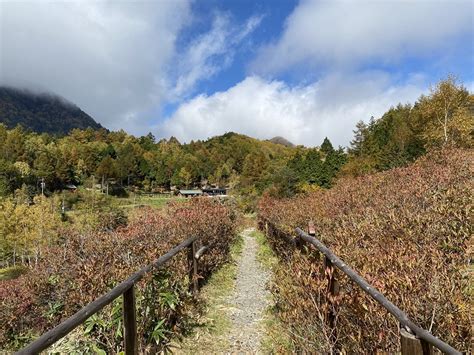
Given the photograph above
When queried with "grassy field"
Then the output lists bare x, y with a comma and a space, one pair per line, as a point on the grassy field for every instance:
152, 201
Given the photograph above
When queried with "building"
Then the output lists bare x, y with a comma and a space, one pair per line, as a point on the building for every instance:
190, 193
214, 192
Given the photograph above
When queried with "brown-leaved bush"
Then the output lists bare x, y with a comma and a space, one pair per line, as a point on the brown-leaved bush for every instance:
407, 231
84, 267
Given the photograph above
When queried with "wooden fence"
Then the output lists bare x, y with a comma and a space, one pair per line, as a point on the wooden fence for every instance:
413, 339
127, 290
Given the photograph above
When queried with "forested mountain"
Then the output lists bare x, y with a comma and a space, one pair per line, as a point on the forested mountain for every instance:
248, 166
41, 112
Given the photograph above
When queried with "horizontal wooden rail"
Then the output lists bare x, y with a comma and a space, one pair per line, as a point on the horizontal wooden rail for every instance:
125, 288
376, 295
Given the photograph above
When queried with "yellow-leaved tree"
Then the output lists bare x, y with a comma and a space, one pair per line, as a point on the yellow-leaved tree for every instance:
448, 115
26, 229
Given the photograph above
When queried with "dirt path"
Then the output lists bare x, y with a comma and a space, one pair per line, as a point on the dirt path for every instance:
249, 300
236, 298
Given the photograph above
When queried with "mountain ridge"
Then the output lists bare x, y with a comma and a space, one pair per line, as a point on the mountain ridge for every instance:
282, 141
41, 112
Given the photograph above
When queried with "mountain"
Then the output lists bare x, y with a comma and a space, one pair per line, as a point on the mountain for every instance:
282, 141
41, 112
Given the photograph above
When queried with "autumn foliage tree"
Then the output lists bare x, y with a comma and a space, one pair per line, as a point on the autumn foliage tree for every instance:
26, 230
447, 114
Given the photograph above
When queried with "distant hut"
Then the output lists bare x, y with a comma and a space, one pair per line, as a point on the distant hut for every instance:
214, 192
190, 193
71, 187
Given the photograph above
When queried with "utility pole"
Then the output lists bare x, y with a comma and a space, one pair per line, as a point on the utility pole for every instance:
63, 209
93, 192
42, 186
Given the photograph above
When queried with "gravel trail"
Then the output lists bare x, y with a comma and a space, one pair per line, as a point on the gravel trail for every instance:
249, 300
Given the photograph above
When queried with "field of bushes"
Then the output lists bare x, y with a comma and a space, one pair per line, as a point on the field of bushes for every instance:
408, 231
84, 265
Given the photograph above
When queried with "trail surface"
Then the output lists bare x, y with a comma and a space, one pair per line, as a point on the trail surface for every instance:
236, 300
249, 300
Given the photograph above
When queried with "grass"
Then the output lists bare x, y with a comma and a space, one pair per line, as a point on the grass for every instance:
275, 339
265, 254
155, 202
209, 335
12, 272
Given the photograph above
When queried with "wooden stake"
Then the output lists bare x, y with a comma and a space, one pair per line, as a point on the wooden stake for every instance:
130, 322
411, 345
193, 268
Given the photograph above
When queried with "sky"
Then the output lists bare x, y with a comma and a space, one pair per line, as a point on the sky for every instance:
303, 70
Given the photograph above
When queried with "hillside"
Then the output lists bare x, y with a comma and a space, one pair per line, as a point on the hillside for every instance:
402, 230
41, 112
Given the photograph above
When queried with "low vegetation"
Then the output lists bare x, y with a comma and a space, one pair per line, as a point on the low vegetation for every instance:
276, 339
211, 327
408, 231
82, 266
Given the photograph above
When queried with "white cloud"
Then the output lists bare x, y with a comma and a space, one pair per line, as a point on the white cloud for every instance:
118, 60
303, 114
107, 57
209, 53
350, 33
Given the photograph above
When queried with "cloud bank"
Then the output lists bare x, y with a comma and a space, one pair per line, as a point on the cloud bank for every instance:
108, 57
351, 33
208, 54
305, 114
334, 41
122, 62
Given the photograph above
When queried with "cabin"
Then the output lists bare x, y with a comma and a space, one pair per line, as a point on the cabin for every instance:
214, 192
190, 193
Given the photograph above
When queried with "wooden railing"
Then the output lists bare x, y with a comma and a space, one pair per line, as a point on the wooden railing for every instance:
127, 289
414, 340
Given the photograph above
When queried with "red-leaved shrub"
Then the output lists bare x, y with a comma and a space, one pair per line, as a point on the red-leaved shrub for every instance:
408, 231
84, 267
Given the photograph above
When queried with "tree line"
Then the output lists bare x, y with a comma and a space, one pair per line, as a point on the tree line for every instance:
247, 165
444, 117
87, 156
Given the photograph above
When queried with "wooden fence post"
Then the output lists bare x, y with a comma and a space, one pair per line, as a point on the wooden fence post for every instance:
193, 268
311, 229
129, 322
331, 293
411, 345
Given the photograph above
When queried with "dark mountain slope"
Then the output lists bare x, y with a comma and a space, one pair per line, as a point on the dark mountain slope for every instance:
41, 112
282, 141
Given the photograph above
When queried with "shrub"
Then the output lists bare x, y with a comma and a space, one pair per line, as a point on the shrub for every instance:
84, 267
407, 231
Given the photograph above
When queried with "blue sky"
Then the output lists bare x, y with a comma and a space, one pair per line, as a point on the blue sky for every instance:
301, 69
